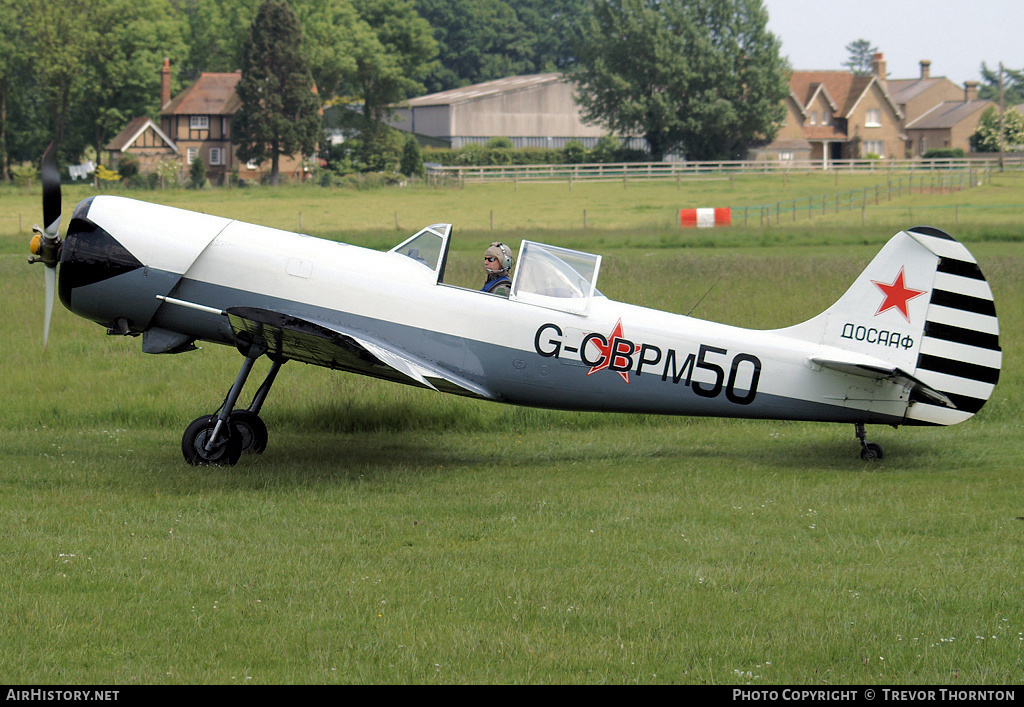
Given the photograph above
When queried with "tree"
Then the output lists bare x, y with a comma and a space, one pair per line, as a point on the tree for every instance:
703, 76
217, 30
986, 138
481, 40
83, 69
862, 57
132, 38
330, 43
279, 109
1013, 85
394, 51
11, 61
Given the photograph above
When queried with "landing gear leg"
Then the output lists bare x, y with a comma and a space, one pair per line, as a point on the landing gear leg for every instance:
869, 452
248, 422
212, 439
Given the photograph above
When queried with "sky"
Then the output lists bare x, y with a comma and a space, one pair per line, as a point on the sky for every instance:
956, 35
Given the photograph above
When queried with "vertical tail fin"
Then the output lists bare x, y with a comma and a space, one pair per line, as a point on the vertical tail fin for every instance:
923, 307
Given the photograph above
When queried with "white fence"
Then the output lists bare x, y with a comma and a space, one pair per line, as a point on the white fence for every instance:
636, 171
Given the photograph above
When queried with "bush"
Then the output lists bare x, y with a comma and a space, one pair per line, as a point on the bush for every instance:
128, 166
939, 153
197, 173
574, 152
412, 159
498, 151
24, 174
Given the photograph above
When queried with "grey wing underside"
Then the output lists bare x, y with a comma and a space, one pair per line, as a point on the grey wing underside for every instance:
291, 337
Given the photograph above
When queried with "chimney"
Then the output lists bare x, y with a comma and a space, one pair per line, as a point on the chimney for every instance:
970, 91
165, 83
926, 68
879, 66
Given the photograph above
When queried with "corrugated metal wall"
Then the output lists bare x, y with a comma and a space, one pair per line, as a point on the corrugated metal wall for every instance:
539, 116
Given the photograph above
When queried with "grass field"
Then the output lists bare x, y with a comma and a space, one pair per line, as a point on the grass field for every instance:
391, 535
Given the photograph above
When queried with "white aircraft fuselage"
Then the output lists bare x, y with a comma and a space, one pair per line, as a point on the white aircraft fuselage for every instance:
914, 340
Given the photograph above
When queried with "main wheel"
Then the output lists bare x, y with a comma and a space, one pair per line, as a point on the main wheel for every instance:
193, 443
251, 429
872, 452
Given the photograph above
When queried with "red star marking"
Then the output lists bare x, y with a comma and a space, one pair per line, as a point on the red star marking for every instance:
612, 349
897, 295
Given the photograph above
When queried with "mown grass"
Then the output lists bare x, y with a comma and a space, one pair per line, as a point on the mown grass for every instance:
613, 214
390, 535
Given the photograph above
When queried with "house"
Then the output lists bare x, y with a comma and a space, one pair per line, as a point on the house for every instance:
144, 140
917, 96
938, 113
833, 115
948, 124
537, 110
195, 123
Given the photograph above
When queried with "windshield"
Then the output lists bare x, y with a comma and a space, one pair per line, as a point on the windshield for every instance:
427, 247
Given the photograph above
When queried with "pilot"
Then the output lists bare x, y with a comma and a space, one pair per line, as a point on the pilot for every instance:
498, 266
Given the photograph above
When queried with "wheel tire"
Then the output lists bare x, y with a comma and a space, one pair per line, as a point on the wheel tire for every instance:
872, 453
193, 444
251, 429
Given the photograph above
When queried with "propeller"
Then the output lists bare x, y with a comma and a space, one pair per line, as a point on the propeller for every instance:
46, 244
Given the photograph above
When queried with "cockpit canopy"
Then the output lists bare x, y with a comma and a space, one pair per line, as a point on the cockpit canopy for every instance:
556, 278
545, 275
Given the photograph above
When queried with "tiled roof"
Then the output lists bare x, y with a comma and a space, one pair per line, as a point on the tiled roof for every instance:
948, 114
211, 94
905, 90
844, 88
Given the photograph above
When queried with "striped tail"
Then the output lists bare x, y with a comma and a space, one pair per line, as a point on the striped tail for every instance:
921, 313
959, 353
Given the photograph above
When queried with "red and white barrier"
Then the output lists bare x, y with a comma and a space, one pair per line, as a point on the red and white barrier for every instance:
705, 218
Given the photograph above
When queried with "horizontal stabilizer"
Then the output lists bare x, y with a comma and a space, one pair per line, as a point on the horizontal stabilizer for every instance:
295, 338
919, 391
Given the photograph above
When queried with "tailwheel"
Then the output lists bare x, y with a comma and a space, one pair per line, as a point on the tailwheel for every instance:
251, 430
869, 451
206, 443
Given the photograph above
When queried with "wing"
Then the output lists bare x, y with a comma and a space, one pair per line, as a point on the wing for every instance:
291, 337
919, 390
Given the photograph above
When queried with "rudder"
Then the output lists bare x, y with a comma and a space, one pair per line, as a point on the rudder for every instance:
960, 353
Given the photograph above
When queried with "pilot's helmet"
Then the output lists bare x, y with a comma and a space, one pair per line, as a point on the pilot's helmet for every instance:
501, 253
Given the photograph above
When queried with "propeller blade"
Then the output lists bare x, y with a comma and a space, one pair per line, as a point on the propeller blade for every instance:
51, 288
51, 191
46, 244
